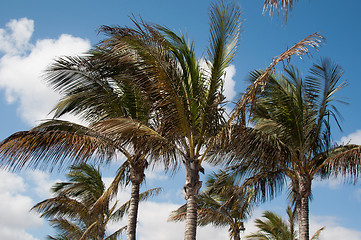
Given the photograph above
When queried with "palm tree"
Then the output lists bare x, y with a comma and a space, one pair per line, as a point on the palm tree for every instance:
72, 210
92, 92
274, 228
221, 204
292, 137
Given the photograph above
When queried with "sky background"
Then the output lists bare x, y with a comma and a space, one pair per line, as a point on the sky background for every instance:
33, 33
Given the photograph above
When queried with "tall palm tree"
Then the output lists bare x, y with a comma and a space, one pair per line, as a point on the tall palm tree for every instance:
91, 92
292, 137
73, 210
221, 204
275, 228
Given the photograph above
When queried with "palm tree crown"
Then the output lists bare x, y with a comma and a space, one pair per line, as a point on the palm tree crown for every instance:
70, 210
275, 228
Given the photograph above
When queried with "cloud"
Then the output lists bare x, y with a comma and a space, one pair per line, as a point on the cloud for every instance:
156, 172
229, 83
41, 183
10, 234
332, 182
15, 217
10, 182
334, 230
14, 40
153, 224
22, 66
352, 138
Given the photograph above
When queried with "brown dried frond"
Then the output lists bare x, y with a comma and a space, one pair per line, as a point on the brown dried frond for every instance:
285, 6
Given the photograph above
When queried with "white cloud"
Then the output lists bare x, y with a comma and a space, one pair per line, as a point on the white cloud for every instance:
153, 224
352, 138
156, 172
42, 183
15, 217
10, 234
332, 182
229, 83
10, 182
15, 38
22, 66
334, 230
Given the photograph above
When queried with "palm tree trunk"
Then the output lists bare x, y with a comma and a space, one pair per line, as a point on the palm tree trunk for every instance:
303, 218
304, 193
236, 235
190, 192
191, 219
133, 211
101, 232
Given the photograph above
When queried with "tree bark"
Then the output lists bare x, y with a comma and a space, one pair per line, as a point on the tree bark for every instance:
303, 219
133, 212
137, 167
101, 232
304, 193
190, 192
237, 235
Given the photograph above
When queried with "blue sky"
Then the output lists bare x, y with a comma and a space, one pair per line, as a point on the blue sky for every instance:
32, 33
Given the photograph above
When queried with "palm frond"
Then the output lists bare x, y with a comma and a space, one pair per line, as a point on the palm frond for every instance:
131, 132
116, 234
66, 229
344, 160
316, 236
121, 179
88, 231
285, 6
273, 227
54, 147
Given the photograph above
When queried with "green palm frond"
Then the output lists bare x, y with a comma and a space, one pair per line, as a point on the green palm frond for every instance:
60, 206
89, 231
121, 179
225, 26
94, 89
66, 230
274, 228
